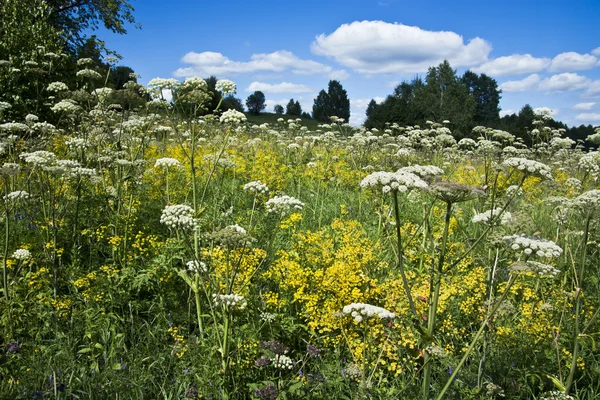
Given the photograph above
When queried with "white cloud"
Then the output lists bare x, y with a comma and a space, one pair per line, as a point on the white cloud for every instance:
525, 84
515, 64
271, 104
381, 47
596, 51
584, 106
358, 107
167, 95
571, 61
283, 87
504, 113
551, 111
564, 82
339, 75
591, 117
392, 84
593, 89
212, 63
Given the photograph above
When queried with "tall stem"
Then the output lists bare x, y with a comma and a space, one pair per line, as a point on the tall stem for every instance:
434, 301
4, 265
578, 307
411, 303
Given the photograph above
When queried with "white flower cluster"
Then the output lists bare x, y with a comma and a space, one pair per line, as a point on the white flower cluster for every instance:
10, 169
426, 172
588, 201
533, 245
226, 86
81, 171
166, 162
487, 215
89, 74
21, 254
556, 395
281, 361
75, 143
543, 270
179, 216
232, 117
283, 204
256, 187
590, 162
529, 167
229, 300
162, 83
14, 127
65, 106
4, 106
17, 196
195, 266
57, 87
401, 181
236, 228
361, 310
40, 158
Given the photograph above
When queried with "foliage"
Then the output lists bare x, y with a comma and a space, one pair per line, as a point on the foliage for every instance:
333, 103
256, 102
278, 109
293, 108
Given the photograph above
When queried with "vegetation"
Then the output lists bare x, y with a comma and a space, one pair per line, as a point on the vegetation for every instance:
256, 102
333, 103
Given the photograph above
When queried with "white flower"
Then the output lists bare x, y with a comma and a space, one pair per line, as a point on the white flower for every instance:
226, 86
89, 74
281, 361
40, 158
17, 196
57, 87
10, 169
31, 118
196, 266
426, 172
230, 300
529, 167
361, 310
21, 254
487, 215
232, 117
283, 204
400, 181
166, 162
180, 216
530, 245
236, 228
66, 106
256, 187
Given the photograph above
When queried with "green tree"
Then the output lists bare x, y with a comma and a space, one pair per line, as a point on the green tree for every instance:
334, 102
278, 109
256, 102
293, 108
232, 103
484, 91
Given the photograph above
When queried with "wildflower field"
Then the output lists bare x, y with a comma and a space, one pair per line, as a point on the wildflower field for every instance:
150, 253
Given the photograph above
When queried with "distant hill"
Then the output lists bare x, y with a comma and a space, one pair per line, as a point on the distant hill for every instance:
271, 119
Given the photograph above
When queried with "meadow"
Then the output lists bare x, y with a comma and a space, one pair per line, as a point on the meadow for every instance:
158, 251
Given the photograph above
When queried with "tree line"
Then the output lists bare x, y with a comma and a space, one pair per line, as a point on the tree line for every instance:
466, 101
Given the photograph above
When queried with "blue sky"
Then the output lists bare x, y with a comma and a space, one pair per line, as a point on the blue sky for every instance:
545, 53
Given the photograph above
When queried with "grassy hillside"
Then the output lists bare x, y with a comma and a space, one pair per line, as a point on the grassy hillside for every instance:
271, 118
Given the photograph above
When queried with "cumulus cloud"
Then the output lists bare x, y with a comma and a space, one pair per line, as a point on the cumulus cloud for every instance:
358, 107
523, 85
339, 75
381, 47
283, 87
596, 51
515, 64
571, 61
212, 63
564, 82
270, 104
546, 110
504, 113
593, 89
590, 117
584, 106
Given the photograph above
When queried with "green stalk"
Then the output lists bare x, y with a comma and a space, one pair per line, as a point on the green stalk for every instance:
411, 303
198, 306
434, 301
4, 265
474, 341
578, 307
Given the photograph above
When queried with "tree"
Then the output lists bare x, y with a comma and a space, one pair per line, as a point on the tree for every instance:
75, 18
256, 102
232, 103
278, 109
484, 91
293, 108
334, 102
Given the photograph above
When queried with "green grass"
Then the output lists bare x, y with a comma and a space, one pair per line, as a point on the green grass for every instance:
271, 119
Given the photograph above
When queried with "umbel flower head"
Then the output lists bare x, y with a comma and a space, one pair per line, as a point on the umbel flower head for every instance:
451, 192
533, 245
359, 311
232, 236
400, 181
21, 254
491, 216
232, 117
425, 172
538, 268
256, 187
283, 204
226, 86
587, 202
167, 162
229, 300
180, 216
529, 167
